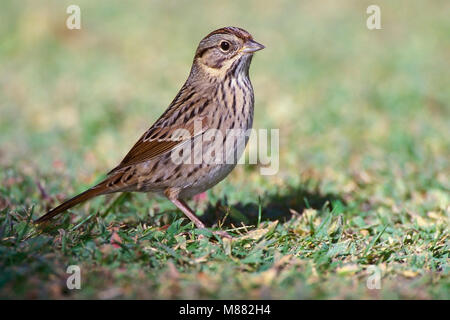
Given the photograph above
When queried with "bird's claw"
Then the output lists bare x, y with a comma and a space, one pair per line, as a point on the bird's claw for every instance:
223, 234
220, 233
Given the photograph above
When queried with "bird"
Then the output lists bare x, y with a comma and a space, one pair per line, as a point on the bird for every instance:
193, 145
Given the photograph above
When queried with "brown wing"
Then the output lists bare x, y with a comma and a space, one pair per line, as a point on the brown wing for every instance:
157, 141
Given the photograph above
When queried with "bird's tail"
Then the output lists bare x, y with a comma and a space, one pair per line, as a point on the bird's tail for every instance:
86, 195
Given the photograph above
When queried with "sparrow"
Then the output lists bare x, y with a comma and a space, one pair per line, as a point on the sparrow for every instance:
200, 137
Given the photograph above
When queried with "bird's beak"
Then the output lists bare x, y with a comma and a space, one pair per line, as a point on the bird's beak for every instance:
252, 46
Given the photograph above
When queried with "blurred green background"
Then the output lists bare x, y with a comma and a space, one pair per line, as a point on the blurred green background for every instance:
363, 113
337, 90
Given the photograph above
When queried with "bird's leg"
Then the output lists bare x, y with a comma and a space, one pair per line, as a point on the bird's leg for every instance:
190, 214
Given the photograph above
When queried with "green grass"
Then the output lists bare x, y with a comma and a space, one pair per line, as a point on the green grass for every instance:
364, 152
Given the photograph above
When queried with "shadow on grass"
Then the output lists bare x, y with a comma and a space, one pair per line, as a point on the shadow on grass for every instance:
279, 205
274, 206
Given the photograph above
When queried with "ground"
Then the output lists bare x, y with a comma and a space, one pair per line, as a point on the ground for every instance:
358, 209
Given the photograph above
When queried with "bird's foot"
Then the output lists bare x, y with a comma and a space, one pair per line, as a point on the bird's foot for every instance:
222, 234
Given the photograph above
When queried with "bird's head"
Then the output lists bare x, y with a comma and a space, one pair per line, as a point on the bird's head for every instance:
226, 50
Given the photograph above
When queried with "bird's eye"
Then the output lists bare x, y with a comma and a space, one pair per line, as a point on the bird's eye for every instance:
225, 45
